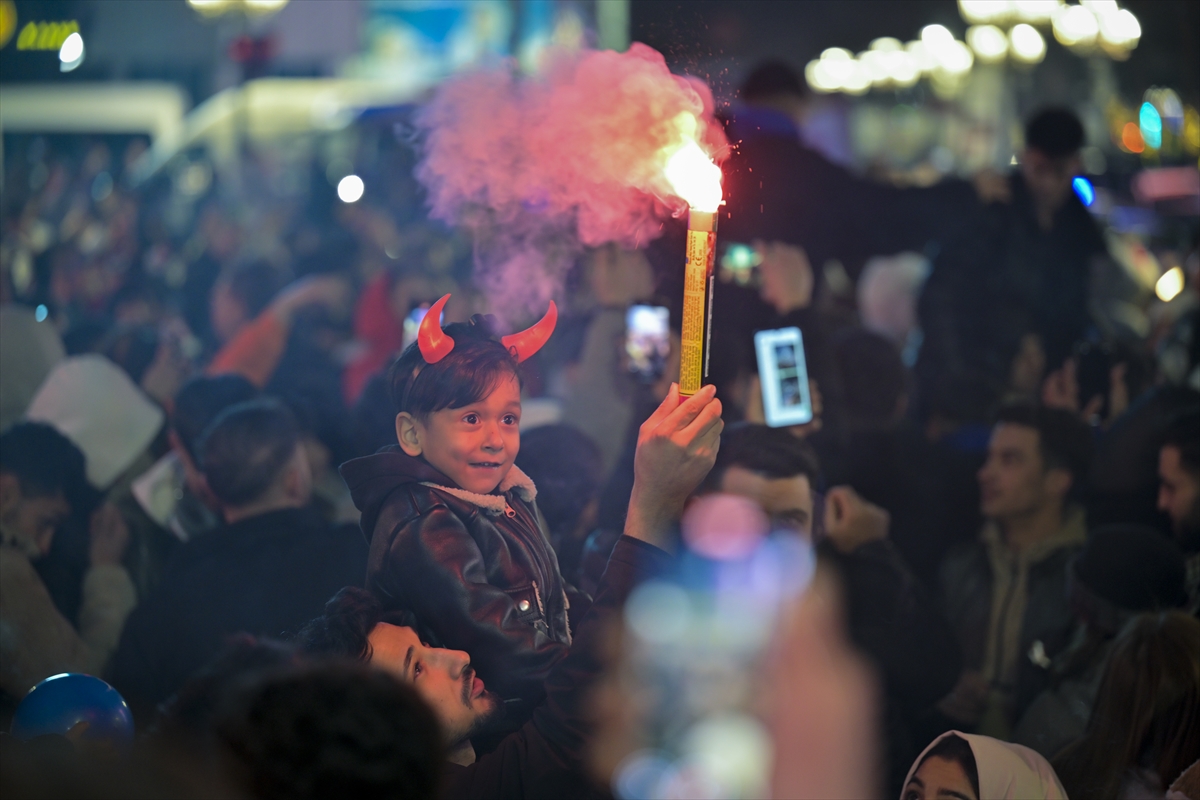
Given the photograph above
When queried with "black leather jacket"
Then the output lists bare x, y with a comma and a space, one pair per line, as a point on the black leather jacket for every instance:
477, 570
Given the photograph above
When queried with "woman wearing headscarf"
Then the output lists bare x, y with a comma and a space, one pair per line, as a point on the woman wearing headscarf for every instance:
965, 766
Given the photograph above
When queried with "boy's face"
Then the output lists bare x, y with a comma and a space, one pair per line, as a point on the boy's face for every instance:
474, 446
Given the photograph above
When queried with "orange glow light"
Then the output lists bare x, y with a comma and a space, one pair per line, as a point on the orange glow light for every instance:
1131, 138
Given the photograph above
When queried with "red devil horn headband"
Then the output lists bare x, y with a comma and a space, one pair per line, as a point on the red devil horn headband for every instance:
436, 345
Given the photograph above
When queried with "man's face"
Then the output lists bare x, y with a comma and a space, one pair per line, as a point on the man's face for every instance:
474, 446
1013, 480
34, 518
1179, 496
1049, 179
787, 501
443, 678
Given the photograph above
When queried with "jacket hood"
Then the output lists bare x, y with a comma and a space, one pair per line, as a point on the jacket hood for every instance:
371, 479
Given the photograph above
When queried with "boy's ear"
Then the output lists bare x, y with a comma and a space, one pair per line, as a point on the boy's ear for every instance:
407, 434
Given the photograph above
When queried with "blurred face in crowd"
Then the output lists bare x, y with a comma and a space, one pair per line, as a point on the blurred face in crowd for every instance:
787, 501
475, 446
1179, 496
444, 678
1048, 179
1014, 481
34, 518
940, 779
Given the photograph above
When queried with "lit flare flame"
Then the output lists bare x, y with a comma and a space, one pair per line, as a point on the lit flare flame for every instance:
691, 173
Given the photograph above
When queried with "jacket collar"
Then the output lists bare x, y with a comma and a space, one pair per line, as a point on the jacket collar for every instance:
494, 504
1072, 533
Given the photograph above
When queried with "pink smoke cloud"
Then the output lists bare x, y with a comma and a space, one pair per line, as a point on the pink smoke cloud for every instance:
539, 167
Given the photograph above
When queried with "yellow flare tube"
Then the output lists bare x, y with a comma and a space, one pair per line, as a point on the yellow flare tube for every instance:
697, 301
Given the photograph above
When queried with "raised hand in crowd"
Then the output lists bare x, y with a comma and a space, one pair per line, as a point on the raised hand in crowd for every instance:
820, 703
618, 277
332, 292
787, 276
677, 446
108, 536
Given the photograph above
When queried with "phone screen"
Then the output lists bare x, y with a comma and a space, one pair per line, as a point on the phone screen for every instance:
412, 323
647, 341
784, 377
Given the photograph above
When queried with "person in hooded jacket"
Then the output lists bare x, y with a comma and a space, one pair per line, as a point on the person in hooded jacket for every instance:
455, 534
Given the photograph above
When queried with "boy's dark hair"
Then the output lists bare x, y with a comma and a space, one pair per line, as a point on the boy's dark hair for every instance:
1183, 433
767, 451
957, 749
44, 461
255, 285
336, 729
245, 447
342, 631
1064, 441
201, 399
568, 470
1056, 132
871, 374
772, 78
467, 375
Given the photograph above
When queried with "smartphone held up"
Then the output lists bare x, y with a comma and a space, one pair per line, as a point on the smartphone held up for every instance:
783, 374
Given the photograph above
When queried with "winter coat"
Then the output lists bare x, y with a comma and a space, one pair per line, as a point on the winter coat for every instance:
477, 570
36, 641
265, 575
1011, 613
546, 757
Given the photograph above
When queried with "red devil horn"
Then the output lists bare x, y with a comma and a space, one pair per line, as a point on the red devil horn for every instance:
529, 341
433, 341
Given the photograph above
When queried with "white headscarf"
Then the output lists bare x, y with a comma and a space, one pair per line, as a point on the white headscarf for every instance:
92, 402
1006, 771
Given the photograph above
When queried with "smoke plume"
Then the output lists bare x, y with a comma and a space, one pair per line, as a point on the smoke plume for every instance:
539, 167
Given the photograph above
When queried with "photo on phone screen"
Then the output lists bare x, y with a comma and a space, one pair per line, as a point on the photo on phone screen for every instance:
784, 377
647, 341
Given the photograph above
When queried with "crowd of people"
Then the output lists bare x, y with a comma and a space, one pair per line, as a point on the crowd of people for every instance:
328, 535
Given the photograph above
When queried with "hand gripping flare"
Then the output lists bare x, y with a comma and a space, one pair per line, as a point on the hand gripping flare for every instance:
436, 345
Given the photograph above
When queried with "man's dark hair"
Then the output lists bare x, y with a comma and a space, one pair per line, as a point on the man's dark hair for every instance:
467, 375
44, 461
1183, 432
957, 749
1064, 441
771, 79
1056, 132
767, 451
336, 729
871, 375
187, 717
255, 284
244, 449
201, 399
342, 631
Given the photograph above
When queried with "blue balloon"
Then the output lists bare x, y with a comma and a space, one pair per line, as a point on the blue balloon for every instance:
59, 703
